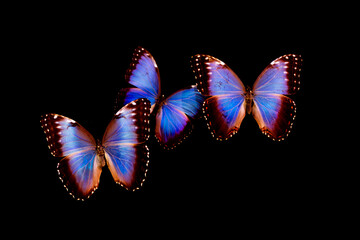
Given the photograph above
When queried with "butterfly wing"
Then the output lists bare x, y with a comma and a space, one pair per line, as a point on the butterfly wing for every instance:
274, 114
124, 143
143, 73
80, 168
173, 116
273, 111
281, 76
224, 115
225, 108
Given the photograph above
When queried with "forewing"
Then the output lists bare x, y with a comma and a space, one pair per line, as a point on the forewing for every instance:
65, 135
274, 114
214, 77
281, 76
124, 143
143, 73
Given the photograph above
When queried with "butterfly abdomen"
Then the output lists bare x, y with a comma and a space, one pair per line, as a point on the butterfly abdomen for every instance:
100, 153
249, 100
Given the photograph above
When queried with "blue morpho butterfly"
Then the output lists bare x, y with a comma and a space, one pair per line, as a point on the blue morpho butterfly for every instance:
173, 114
229, 100
123, 148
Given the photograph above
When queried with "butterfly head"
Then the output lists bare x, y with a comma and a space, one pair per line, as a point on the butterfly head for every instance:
161, 100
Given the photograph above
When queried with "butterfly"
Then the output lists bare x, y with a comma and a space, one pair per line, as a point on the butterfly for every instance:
173, 114
229, 100
123, 149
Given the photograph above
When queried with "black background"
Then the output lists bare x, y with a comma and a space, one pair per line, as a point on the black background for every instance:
79, 64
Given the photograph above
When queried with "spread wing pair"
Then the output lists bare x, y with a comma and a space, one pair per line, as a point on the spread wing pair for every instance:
173, 114
229, 100
123, 148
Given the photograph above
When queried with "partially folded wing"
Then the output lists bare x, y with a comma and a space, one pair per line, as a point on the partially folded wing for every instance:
173, 119
143, 73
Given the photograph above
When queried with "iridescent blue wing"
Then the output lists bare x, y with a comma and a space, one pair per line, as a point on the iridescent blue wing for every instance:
143, 73
214, 77
173, 122
274, 114
124, 143
224, 114
80, 168
273, 111
281, 76
225, 108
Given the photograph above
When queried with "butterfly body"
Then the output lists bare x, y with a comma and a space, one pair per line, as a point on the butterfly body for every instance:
249, 100
229, 100
100, 152
123, 149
